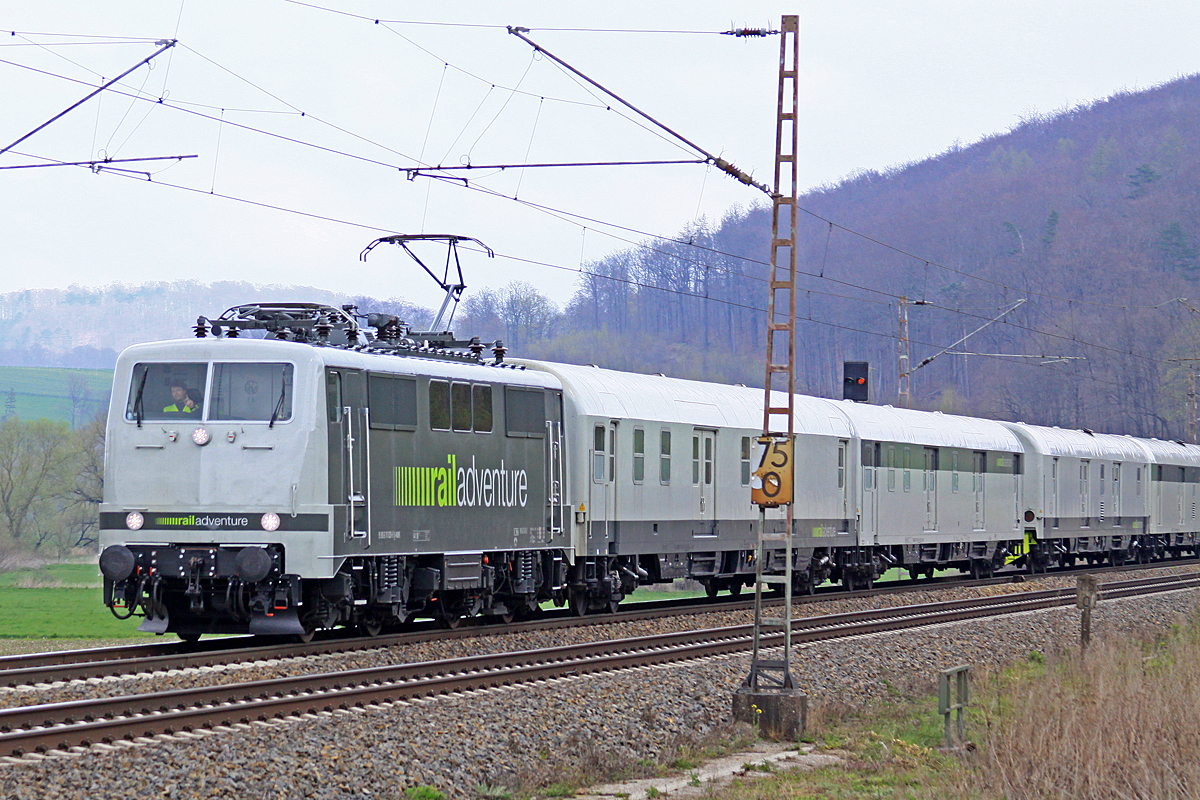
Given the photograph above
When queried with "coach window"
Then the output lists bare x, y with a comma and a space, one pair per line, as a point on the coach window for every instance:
481, 403
460, 406
841, 474
1137, 479
954, 471
1102, 480
746, 461
639, 455
869, 464
907, 469
695, 461
664, 457
612, 454
891, 464
598, 454
439, 405
708, 460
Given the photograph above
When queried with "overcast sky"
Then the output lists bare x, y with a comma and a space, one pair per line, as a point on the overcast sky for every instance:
882, 83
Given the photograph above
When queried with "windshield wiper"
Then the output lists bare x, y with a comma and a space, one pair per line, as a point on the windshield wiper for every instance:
279, 402
137, 402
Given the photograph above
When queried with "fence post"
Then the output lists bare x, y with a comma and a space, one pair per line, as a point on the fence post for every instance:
1087, 594
953, 697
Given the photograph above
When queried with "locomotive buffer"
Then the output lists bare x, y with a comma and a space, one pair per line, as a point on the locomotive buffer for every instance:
768, 699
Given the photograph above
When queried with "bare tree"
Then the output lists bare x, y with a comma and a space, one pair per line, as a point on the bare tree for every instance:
34, 457
80, 396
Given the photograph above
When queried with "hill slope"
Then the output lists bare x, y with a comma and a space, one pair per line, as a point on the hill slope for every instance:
1091, 215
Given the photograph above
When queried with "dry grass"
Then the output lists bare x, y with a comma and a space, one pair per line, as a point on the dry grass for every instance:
1122, 722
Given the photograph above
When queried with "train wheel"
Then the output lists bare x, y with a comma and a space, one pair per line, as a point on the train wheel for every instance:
304, 638
190, 638
614, 605
735, 588
849, 582
578, 602
372, 626
710, 588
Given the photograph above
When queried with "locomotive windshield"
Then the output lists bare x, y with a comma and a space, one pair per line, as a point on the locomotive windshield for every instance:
241, 391
166, 391
253, 391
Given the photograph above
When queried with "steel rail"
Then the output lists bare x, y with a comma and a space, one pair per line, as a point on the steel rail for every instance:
83, 722
64, 665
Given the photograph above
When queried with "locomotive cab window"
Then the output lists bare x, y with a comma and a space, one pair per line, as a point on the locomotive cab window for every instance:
251, 392
166, 391
333, 396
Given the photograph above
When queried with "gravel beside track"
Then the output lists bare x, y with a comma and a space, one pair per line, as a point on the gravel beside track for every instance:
490, 642
546, 731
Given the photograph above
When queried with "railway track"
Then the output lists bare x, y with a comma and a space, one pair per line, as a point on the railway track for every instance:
84, 722
65, 665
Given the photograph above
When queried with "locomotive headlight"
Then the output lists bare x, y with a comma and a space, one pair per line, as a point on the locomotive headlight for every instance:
201, 437
134, 521
270, 522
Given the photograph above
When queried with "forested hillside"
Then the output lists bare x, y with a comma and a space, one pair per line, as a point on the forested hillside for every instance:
1091, 216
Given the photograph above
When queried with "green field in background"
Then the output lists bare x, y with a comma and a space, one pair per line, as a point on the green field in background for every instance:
44, 392
59, 607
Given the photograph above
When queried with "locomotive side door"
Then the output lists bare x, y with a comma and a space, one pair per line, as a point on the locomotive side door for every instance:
349, 451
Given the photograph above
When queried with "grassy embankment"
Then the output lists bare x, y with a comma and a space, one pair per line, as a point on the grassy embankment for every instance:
1123, 722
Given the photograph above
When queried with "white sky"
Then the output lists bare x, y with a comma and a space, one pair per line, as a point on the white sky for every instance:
882, 83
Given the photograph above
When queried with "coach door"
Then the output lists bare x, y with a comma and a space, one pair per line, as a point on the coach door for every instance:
349, 454
870, 493
704, 446
930, 479
602, 491
978, 473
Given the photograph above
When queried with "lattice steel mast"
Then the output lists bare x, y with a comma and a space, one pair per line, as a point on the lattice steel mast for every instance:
773, 487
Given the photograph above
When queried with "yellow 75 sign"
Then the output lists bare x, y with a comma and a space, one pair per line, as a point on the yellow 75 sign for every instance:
771, 485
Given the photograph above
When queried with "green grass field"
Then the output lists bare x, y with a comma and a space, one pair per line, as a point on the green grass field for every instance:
45, 392
58, 601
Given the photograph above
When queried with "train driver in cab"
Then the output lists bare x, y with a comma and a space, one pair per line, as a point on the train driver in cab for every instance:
183, 400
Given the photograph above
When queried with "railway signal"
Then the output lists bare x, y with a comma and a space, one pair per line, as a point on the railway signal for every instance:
856, 381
